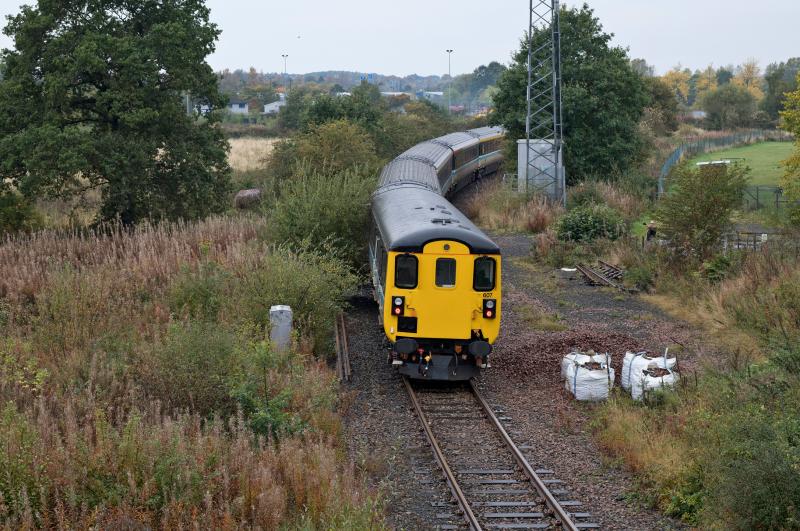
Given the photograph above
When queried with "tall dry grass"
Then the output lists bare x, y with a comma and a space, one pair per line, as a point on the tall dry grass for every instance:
147, 255
248, 154
600, 192
138, 387
495, 206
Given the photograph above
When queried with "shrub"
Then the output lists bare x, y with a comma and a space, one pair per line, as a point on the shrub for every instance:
588, 223
640, 277
717, 268
138, 389
696, 212
612, 195
313, 281
199, 294
316, 207
752, 477
16, 213
192, 368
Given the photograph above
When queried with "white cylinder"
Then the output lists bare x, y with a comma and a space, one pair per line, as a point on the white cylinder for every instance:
280, 318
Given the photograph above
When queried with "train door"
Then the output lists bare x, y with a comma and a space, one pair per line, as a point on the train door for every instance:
445, 279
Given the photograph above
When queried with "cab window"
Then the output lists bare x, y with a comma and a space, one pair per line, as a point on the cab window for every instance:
484, 274
405, 271
446, 272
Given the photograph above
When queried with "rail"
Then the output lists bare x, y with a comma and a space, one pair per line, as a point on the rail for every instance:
537, 486
343, 368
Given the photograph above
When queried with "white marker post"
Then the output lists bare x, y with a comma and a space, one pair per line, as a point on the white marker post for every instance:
280, 318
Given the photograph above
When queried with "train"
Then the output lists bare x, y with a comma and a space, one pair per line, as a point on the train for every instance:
436, 276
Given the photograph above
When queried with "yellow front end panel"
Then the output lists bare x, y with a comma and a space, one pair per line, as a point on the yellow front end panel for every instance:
443, 312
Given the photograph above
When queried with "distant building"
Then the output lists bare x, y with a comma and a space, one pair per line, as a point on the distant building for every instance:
236, 106
430, 95
275, 106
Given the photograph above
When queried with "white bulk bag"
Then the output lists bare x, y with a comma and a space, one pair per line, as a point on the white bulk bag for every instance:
571, 358
644, 382
633, 364
589, 384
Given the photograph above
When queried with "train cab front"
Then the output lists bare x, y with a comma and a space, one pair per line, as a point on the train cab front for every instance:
442, 311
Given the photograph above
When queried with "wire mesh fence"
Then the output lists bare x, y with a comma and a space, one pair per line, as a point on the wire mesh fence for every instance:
709, 144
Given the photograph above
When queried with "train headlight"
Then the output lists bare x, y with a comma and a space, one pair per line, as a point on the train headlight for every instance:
489, 310
398, 305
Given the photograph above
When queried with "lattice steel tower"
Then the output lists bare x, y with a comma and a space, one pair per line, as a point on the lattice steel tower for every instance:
543, 170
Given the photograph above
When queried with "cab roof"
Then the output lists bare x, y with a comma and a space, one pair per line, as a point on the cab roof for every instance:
410, 216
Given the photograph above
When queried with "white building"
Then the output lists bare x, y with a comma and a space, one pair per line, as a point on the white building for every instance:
275, 106
238, 107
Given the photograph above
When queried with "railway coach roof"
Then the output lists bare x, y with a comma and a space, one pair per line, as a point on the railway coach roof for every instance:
454, 140
410, 171
483, 132
430, 151
410, 216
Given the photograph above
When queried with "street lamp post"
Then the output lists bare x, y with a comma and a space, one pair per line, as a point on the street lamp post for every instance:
450, 85
285, 56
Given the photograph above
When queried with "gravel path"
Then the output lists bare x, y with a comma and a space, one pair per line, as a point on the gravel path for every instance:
384, 435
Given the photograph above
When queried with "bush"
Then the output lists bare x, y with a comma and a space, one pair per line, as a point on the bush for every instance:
16, 213
192, 368
588, 223
317, 207
640, 277
199, 294
696, 212
313, 281
612, 195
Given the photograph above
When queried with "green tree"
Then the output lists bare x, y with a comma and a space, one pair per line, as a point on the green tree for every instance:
603, 98
724, 75
329, 147
641, 67
663, 100
695, 213
729, 106
780, 78
791, 122
95, 97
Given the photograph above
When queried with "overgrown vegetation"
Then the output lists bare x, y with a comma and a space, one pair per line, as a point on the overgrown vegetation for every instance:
138, 387
697, 211
725, 451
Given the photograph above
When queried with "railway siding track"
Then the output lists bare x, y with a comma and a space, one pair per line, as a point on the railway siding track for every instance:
604, 274
343, 368
493, 484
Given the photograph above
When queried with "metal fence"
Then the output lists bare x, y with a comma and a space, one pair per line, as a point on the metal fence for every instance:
762, 196
706, 145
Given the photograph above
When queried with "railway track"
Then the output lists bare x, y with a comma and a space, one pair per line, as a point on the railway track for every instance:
604, 274
343, 368
493, 484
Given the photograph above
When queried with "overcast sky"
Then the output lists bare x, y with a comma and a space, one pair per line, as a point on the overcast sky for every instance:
411, 36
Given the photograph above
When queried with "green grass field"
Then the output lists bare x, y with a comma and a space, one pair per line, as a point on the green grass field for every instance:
763, 158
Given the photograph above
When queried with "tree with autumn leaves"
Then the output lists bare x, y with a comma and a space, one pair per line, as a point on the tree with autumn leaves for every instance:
790, 121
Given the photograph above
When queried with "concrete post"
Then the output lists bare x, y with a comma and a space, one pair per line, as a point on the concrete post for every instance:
280, 318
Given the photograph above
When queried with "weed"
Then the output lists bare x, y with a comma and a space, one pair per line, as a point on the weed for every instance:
540, 320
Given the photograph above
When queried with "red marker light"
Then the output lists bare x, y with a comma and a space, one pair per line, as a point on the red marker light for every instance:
397, 311
488, 313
